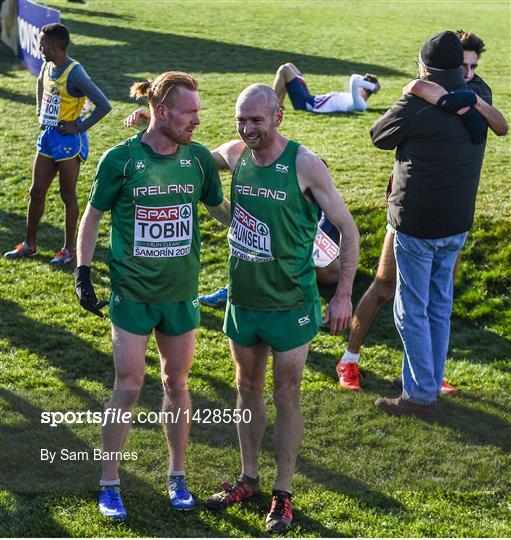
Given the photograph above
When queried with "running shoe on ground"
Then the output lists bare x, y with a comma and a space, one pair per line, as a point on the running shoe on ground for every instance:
21, 250
110, 503
180, 497
445, 390
280, 517
244, 488
216, 299
349, 376
62, 257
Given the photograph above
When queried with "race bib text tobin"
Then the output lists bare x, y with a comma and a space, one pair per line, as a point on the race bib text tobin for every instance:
249, 238
163, 231
50, 109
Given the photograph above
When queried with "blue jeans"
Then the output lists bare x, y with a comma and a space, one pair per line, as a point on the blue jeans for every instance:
422, 310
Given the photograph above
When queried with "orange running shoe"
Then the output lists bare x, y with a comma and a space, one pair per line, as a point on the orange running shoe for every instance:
21, 250
447, 389
349, 376
62, 257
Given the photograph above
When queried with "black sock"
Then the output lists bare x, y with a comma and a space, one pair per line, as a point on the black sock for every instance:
281, 493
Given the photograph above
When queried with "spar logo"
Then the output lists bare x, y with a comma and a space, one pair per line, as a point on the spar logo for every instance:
163, 231
262, 229
140, 165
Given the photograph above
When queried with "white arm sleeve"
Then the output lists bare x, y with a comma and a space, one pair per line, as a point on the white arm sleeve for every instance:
356, 82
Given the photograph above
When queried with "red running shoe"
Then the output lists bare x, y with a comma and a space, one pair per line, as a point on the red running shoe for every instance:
349, 376
244, 488
280, 517
447, 389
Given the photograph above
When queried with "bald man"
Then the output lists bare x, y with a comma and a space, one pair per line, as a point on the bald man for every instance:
273, 304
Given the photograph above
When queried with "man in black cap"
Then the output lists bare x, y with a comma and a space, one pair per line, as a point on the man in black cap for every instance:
430, 209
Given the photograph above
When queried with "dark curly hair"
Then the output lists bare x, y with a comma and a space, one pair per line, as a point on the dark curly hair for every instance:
471, 42
373, 79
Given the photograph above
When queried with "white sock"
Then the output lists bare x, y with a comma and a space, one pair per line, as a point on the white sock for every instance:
350, 358
105, 483
176, 473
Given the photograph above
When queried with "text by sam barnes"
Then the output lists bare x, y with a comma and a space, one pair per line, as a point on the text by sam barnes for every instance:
96, 454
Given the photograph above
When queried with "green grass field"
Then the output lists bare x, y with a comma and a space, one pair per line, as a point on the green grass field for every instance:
360, 472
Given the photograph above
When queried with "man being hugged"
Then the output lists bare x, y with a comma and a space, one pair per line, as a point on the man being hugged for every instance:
152, 184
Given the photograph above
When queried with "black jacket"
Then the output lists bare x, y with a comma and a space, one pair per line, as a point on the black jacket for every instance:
437, 168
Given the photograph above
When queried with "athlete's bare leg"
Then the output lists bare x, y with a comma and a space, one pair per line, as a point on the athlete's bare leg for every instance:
329, 275
129, 360
381, 290
176, 355
250, 372
68, 177
285, 74
43, 173
287, 378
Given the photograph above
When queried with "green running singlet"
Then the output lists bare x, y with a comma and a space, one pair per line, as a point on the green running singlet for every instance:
271, 236
155, 239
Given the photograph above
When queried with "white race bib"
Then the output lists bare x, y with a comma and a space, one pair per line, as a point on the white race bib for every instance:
50, 109
249, 238
163, 231
325, 250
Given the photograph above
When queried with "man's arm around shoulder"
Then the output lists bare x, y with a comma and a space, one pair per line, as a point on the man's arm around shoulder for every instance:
227, 155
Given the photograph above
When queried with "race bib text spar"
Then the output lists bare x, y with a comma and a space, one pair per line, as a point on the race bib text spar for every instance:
249, 238
163, 231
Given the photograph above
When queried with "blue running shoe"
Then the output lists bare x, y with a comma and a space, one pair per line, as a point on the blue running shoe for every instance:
21, 250
216, 299
110, 503
180, 497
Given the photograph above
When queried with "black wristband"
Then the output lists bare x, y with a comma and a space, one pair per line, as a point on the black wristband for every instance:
82, 273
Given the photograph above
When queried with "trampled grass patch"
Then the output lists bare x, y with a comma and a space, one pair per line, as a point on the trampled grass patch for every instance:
359, 473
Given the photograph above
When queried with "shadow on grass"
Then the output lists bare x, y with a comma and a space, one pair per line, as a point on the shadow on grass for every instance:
351, 487
74, 357
16, 97
37, 486
15, 225
259, 504
66, 351
473, 425
190, 54
212, 319
94, 13
30, 517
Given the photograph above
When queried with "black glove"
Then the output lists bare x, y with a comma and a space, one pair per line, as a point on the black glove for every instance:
476, 125
85, 291
452, 102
